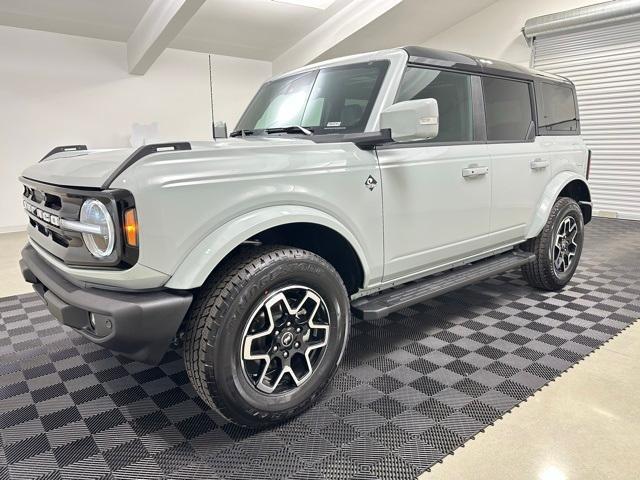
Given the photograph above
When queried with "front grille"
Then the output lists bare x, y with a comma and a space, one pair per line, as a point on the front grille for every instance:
59, 238
45, 205
49, 200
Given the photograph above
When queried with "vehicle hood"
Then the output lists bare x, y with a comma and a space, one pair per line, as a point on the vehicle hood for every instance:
84, 168
92, 168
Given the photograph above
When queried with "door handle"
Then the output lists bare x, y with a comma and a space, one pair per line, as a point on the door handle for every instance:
538, 163
474, 171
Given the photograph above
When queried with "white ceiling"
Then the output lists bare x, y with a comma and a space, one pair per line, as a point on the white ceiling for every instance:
411, 22
105, 19
259, 29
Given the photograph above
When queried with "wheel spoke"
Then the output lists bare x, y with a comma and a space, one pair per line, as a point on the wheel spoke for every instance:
260, 383
282, 298
558, 261
249, 339
271, 388
572, 237
315, 299
248, 347
558, 243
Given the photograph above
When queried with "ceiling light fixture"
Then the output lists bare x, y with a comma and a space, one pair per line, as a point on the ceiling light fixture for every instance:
317, 4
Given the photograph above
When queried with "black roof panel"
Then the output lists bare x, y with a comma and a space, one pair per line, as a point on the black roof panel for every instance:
468, 63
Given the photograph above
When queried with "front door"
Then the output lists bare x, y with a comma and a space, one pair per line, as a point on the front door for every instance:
436, 194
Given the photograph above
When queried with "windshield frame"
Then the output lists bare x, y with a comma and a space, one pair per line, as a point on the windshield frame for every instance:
382, 64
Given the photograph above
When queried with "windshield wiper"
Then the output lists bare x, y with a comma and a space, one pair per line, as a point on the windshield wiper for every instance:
242, 133
290, 129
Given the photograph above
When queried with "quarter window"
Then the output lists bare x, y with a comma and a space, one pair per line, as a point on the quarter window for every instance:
453, 93
507, 105
558, 112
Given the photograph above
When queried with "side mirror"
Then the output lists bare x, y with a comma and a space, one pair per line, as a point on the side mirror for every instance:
412, 120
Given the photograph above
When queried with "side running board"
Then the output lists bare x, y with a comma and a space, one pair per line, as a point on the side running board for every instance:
388, 301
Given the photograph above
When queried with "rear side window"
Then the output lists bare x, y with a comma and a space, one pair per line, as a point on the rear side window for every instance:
558, 113
453, 93
507, 105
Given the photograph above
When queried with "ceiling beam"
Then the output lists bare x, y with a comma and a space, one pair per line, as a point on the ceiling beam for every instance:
158, 27
346, 22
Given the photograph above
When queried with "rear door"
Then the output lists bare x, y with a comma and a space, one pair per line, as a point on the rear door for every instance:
437, 194
521, 161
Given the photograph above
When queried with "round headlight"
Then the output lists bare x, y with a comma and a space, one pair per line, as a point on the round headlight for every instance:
94, 212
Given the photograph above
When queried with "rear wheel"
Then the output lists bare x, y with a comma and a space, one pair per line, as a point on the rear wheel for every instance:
557, 248
266, 334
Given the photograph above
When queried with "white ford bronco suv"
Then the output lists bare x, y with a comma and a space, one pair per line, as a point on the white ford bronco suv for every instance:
364, 184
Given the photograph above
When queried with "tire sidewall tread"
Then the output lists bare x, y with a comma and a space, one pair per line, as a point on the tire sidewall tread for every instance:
541, 273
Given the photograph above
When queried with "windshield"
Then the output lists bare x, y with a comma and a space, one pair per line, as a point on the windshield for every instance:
329, 100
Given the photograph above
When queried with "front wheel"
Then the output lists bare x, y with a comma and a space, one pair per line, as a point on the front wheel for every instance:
557, 248
266, 334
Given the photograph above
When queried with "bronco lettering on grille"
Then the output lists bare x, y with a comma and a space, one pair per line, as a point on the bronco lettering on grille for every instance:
41, 214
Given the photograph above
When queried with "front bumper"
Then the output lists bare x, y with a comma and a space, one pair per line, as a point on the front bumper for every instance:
139, 325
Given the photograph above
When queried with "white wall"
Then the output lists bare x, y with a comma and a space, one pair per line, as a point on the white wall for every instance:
59, 89
495, 32
235, 81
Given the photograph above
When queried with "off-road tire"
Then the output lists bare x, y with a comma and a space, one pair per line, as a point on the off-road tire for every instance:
541, 272
216, 323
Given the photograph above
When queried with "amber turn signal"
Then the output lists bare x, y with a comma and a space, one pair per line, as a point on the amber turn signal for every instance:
131, 227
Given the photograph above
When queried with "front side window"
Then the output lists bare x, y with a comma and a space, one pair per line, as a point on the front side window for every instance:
558, 111
507, 105
329, 100
453, 94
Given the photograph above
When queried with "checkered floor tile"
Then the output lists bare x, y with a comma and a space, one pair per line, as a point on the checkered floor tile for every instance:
413, 387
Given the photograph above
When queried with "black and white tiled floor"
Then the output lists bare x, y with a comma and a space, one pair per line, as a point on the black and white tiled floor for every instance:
413, 387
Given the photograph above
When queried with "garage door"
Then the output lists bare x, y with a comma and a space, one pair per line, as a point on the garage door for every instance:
604, 64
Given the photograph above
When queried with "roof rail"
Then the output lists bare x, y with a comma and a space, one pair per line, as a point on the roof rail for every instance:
64, 148
143, 151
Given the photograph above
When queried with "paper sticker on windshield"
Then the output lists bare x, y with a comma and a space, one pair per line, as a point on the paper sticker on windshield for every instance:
334, 124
